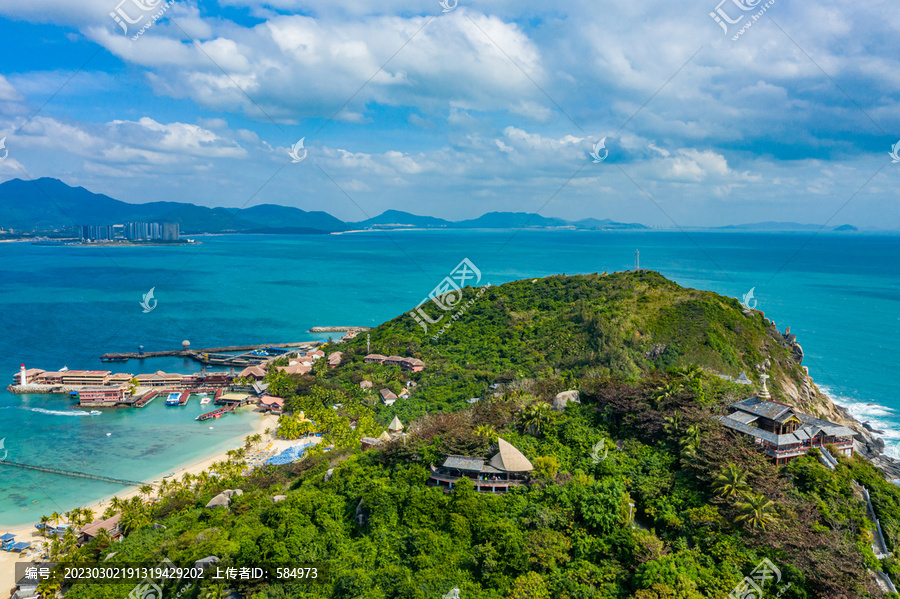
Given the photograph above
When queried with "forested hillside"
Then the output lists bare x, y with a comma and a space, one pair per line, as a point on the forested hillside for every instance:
637, 491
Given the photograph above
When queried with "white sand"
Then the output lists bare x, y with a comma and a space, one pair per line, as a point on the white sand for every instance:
8, 560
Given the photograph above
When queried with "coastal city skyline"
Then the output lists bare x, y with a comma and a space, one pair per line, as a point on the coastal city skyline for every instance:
447, 113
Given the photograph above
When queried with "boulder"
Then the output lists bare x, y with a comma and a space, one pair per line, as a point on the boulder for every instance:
206, 562
229, 493
329, 474
220, 500
279, 498
798, 352
360, 514
562, 399
655, 351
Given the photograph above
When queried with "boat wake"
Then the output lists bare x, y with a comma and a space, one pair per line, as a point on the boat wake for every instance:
57, 412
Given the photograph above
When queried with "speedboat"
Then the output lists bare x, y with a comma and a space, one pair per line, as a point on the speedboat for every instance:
94, 413
205, 400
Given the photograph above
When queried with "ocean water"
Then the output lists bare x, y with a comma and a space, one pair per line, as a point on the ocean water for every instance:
64, 306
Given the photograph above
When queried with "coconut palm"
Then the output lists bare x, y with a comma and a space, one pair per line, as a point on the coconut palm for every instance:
536, 417
213, 591
690, 442
145, 490
486, 431
757, 511
667, 391
731, 482
45, 520
671, 423
55, 517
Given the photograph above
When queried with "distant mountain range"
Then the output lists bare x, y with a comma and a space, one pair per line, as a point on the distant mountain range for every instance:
48, 204
781, 226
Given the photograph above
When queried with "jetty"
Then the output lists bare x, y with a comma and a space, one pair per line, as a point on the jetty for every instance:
74, 473
337, 329
198, 354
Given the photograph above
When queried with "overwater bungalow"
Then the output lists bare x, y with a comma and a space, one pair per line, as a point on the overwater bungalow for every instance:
508, 468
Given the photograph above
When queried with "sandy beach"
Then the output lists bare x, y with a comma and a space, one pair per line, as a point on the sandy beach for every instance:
23, 533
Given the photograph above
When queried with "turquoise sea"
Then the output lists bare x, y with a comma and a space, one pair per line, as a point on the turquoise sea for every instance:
64, 306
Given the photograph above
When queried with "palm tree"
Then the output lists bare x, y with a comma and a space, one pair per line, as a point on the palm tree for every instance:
486, 431
731, 483
45, 520
757, 511
213, 591
667, 391
671, 423
55, 517
690, 442
145, 490
536, 416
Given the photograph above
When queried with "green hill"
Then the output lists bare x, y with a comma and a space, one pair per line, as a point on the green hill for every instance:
636, 491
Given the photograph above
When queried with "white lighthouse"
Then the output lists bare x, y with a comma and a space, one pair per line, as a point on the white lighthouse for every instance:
23, 380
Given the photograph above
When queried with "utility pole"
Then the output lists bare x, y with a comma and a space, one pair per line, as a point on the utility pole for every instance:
368, 343
637, 260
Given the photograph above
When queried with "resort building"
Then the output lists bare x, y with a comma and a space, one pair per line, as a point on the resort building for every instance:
508, 468
119, 378
272, 403
159, 379
411, 364
104, 393
334, 360
783, 432
73, 377
395, 426
30, 375
295, 369
253, 372
388, 397
110, 525
365, 384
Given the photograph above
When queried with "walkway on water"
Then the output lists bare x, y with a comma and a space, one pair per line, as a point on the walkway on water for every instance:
74, 474
197, 354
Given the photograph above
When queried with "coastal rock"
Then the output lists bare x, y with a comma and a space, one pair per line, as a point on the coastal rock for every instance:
562, 399
748, 312
220, 500
767, 364
869, 428
279, 498
329, 474
798, 352
229, 493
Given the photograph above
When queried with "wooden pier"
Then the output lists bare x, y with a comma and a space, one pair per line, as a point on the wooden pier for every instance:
75, 474
337, 329
198, 354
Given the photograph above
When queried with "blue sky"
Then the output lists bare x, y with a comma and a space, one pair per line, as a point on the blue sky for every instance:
489, 106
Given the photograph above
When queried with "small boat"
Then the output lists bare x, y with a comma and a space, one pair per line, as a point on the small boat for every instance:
94, 413
173, 399
205, 400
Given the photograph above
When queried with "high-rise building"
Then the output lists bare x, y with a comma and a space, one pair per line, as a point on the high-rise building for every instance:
170, 232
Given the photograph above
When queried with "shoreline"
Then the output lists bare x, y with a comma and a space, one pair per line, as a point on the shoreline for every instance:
29, 532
